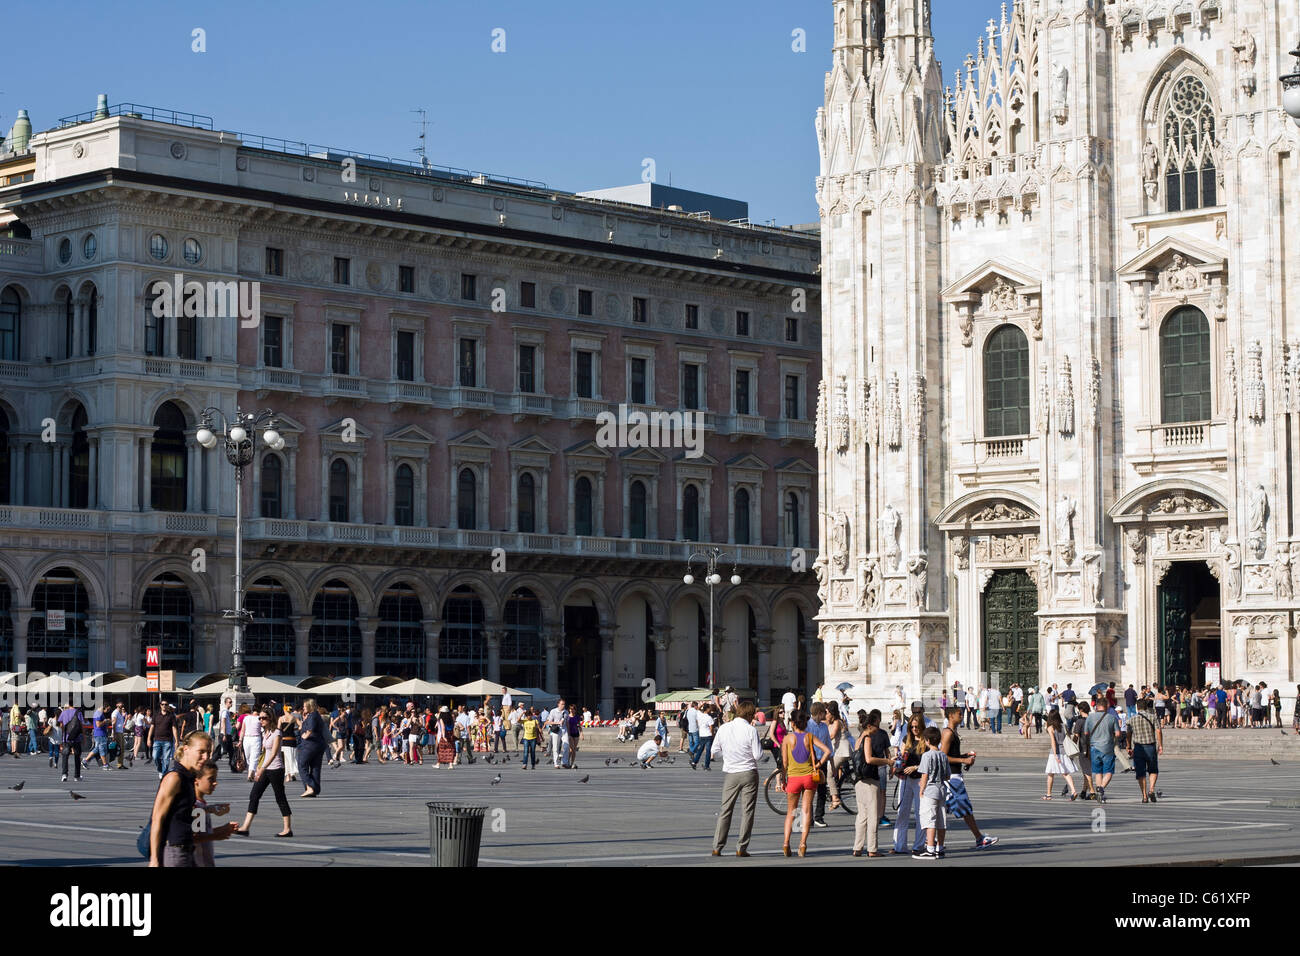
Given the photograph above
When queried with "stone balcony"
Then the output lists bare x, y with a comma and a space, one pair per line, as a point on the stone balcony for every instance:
1181, 446
994, 461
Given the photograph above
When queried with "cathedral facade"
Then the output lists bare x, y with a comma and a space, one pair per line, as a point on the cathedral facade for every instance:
1061, 382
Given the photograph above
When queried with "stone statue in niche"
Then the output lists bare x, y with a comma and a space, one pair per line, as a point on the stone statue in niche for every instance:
1232, 571
1282, 574
933, 659
821, 568
1151, 169
868, 583
889, 521
917, 568
840, 541
1246, 50
1060, 93
961, 552
1092, 564
1066, 508
1257, 520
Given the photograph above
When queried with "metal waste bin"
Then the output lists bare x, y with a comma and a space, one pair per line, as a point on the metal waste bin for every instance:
455, 832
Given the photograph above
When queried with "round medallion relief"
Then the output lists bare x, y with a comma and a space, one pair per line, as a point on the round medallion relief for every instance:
559, 300
375, 276
178, 150
311, 266
79, 150
716, 320
666, 312
437, 285
613, 307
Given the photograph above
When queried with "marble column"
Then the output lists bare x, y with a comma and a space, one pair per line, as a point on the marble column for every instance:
290, 490
22, 621
368, 626
763, 646
302, 643
97, 658
552, 636
146, 473
492, 635
812, 647
92, 496
432, 638
607, 633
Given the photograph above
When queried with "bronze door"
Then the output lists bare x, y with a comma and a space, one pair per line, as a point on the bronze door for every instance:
1011, 630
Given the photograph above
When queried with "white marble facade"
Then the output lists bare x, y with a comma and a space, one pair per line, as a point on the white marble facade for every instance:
1036, 193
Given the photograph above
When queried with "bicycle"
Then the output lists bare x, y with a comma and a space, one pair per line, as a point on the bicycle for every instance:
774, 790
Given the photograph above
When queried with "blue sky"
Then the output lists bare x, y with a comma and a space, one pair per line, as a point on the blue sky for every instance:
585, 90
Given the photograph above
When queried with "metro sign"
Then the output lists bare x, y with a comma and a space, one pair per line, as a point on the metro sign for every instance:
153, 657
151, 682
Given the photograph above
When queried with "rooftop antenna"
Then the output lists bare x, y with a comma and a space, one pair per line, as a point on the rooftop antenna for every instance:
423, 123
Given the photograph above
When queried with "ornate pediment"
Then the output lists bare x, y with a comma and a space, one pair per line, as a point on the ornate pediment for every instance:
996, 290
1002, 511
1176, 267
1180, 504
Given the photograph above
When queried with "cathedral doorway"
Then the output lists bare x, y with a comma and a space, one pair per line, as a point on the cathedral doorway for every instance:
1011, 630
1188, 602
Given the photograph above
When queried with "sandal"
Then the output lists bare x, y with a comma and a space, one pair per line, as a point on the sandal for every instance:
803, 849
786, 849
1073, 797
1047, 797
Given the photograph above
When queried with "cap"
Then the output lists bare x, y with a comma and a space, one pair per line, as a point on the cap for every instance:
917, 706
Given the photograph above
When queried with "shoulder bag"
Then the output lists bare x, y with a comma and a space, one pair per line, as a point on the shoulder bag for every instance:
817, 775
1069, 746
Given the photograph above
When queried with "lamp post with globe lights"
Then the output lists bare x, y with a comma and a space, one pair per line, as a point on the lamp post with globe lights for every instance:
240, 436
1291, 89
711, 558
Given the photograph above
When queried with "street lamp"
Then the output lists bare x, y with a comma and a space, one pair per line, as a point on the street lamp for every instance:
712, 578
1291, 90
240, 435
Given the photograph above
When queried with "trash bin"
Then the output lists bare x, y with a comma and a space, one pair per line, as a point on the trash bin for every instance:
455, 832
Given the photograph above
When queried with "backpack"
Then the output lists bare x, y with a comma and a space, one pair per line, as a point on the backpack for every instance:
73, 731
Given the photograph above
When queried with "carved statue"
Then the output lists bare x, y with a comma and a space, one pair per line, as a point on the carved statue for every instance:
1232, 572
1246, 50
1072, 657
889, 521
917, 568
1258, 518
1150, 162
840, 540
868, 584
1092, 561
1181, 276
1065, 512
1282, 575
1137, 542
933, 659
821, 568
1060, 93
961, 552
1065, 397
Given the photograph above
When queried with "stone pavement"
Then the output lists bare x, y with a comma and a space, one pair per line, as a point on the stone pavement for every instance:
374, 815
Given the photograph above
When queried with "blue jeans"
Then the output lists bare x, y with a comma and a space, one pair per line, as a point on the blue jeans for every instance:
692, 742
530, 753
995, 721
33, 743
703, 748
162, 755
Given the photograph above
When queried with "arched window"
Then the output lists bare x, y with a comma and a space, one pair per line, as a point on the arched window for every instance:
167, 467
79, 463
399, 640
339, 490
4, 459
69, 327
742, 516
271, 487
57, 634
1189, 146
792, 519
334, 642
1185, 367
404, 496
525, 500
168, 622
269, 637
690, 513
462, 649
1006, 383
582, 506
187, 336
636, 506
522, 658
11, 322
466, 500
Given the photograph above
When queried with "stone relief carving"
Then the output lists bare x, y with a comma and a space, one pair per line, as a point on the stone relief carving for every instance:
1069, 585
1179, 276
1261, 653
917, 568
841, 425
841, 592
898, 659
1180, 504
1002, 298
1244, 47
1186, 538
1230, 375
1140, 305
1137, 542
893, 413
1094, 393
1219, 294
918, 406
1258, 579
1257, 520
1044, 397
1160, 569
985, 576
967, 326
1065, 397
961, 552
1072, 656
821, 414
1253, 397
840, 541
933, 659
888, 524
1005, 548
1066, 508
845, 658
1232, 571
1002, 512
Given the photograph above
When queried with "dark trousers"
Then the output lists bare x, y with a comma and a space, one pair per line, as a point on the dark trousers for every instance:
72, 748
309, 762
819, 803
275, 780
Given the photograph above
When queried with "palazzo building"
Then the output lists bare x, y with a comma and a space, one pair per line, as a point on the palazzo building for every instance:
437, 345
1061, 379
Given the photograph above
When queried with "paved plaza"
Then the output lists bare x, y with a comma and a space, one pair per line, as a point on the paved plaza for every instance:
374, 815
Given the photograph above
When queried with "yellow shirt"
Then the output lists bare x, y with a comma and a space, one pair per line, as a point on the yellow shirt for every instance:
530, 728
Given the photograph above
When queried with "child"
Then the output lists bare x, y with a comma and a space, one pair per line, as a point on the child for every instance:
934, 771
205, 782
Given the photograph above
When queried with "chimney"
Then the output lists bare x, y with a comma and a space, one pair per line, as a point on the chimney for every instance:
101, 107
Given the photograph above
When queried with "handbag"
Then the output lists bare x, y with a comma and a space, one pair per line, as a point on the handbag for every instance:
817, 776
1070, 747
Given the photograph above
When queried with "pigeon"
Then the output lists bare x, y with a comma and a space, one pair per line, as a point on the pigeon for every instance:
986, 769
615, 760
997, 769
491, 759
19, 785
1284, 733
585, 778
496, 780
75, 795
606, 761
1274, 762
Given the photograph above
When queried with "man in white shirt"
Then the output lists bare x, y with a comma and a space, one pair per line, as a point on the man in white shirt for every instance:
788, 700
692, 729
505, 700
557, 721
704, 721
648, 751
737, 743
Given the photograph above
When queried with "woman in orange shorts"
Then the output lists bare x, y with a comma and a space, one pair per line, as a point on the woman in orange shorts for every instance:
800, 753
